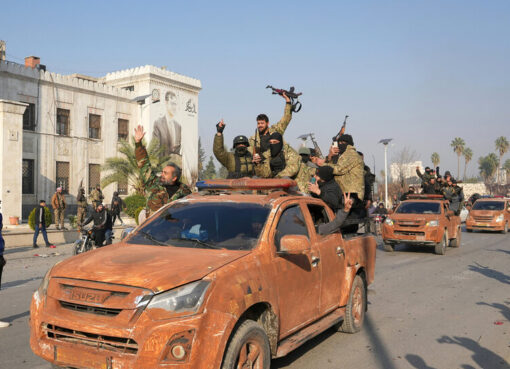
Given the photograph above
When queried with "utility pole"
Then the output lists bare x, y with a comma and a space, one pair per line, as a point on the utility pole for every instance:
385, 142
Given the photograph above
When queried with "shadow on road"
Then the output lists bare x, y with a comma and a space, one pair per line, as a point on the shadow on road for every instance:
485, 358
503, 251
491, 273
18, 282
503, 309
417, 362
12, 318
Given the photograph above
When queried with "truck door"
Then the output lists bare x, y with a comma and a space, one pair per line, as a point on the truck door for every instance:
297, 277
332, 263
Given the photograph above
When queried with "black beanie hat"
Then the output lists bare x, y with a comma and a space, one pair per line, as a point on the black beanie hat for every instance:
326, 173
347, 139
276, 136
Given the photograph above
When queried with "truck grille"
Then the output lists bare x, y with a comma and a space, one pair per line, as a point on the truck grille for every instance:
480, 218
90, 309
117, 344
410, 233
410, 224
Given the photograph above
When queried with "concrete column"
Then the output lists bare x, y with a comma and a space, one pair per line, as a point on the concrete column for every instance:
11, 156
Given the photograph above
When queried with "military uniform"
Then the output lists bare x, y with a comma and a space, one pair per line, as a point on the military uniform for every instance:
96, 196
157, 194
291, 165
305, 173
349, 172
237, 166
82, 208
425, 177
280, 127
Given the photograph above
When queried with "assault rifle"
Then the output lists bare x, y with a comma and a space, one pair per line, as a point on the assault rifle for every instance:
314, 142
296, 106
342, 130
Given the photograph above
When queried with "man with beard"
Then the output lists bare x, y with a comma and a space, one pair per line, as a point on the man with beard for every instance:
260, 141
279, 161
239, 163
168, 132
102, 221
164, 189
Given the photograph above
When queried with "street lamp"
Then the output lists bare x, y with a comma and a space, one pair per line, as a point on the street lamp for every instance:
385, 142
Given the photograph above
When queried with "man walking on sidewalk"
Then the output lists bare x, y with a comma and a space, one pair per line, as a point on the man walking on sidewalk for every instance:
2, 261
58, 202
40, 224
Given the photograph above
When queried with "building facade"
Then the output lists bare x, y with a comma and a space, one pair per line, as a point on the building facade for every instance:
57, 130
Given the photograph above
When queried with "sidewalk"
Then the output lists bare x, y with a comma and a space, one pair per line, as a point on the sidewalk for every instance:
22, 236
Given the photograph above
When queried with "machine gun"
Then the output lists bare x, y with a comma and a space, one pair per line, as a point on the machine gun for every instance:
342, 130
296, 106
314, 142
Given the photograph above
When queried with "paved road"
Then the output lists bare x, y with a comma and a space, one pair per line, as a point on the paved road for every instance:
426, 311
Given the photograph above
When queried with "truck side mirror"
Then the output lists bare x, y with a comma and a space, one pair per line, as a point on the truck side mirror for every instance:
294, 244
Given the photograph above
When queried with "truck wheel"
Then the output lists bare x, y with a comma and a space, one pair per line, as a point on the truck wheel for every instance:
505, 230
440, 248
248, 348
356, 307
388, 247
456, 241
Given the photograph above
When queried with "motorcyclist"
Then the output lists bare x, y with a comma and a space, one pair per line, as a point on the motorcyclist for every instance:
102, 223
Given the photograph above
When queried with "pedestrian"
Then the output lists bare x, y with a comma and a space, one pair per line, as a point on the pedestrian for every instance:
2, 261
81, 199
96, 196
40, 225
116, 207
58, 202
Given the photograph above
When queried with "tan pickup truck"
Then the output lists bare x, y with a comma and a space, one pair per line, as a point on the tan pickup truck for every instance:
489, 214
228, 277
422, 220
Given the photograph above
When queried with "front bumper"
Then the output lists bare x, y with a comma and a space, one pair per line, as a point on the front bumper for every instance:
487, 226
83, 340
421, 236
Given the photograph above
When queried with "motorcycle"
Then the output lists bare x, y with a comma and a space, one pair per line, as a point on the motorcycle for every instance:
86, 241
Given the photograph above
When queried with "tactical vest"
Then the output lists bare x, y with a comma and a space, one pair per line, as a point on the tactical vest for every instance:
242, 169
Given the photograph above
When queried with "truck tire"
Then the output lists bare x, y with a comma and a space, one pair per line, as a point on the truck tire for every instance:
440, 248
249, 347
505, 229
388, 247
356, 307
456, 241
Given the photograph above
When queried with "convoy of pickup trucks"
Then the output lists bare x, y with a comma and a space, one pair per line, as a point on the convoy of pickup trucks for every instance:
228, 277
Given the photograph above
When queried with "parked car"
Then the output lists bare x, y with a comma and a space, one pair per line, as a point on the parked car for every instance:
228, 277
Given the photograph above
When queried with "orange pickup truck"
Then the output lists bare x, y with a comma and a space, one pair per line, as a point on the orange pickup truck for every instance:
228, 277
489, 214
422, 220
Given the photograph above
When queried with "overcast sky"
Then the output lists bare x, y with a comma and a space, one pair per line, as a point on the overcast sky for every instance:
421, 73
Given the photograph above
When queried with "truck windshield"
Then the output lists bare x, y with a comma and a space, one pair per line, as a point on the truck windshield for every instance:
216, 225
489, 205
419, 208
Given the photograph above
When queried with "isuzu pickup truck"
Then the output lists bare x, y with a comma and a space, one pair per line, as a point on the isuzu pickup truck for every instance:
489, 214
228, 277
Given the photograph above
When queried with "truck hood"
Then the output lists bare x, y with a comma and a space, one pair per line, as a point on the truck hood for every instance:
485, 213
158, 268
418, 218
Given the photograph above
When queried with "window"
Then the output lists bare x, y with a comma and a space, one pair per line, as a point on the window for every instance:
419, 208
94, 176
62, 177
122, 187
319, 214
95, 126
129, 88
291, 222
489, 205
63, 122
29, 118
123, 129
27, 182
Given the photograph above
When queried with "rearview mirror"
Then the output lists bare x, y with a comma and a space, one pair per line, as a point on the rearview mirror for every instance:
294, 244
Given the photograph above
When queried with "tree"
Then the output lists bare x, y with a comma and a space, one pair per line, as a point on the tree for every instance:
458, 146
201, 159
506, 167
468, 155
488, 166
222, 172
502, 146
210, 170
125, 168
434, 158
402, 165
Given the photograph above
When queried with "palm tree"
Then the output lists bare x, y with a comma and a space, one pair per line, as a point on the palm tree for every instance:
502, 146
506, 167
124, 168
458, 145
468, 155
488, 166
434, 158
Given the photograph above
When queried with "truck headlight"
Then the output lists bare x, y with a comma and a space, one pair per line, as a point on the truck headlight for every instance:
432, 223
388, 221
500, 218
184, 299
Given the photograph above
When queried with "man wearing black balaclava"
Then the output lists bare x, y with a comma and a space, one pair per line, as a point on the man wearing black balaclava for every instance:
239, 163
279, 161
326, 187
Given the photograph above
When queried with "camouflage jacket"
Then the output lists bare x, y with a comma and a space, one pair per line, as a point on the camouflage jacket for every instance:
280, 127
425, 177
228, 159
349, 172
305, 173
157, 194
96, 195
291, 169
81, 200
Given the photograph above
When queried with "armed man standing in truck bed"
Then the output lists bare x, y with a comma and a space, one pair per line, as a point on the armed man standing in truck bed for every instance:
239, 163
161, 190
279, 161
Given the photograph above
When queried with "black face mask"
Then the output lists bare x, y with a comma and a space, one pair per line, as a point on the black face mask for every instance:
276, 148
342, 147
305, 158
241, 150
